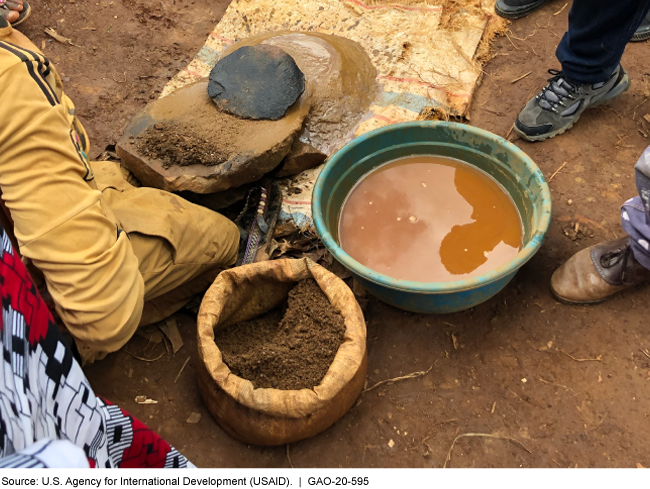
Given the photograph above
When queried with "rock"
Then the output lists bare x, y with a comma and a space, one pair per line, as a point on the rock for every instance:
302, 157
194, 418
248, 149
256, 82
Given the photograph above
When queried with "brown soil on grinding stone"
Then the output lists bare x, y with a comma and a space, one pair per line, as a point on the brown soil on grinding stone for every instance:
175, 144
286, 349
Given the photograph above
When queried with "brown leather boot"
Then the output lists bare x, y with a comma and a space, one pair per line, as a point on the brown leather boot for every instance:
593, 274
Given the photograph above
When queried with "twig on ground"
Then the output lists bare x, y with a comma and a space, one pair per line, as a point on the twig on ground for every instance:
289, 457
525, 38
518, 49
621, 139
557, 171
483, 435
521, 77
142, 358
500, 114
597, 359
510, 131
181, 370
560, 11
412, 375
645, 128
58, 37
645, 352
644, 101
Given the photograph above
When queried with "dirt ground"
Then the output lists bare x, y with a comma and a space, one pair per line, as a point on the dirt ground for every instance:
570, 384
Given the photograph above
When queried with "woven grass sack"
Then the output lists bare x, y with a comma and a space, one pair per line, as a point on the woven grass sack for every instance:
274, 416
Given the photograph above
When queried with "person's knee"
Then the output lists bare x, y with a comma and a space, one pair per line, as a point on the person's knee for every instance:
211, 240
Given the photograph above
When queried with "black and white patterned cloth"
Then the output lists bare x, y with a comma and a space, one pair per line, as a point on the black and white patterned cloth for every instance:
49, 415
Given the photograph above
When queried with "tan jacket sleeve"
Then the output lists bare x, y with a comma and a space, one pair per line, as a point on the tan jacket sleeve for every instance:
88, 262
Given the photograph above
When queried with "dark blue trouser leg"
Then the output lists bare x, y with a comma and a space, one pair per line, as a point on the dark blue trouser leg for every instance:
635, 213
598, 32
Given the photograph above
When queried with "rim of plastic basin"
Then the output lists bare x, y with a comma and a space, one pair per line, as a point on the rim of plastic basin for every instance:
525, 254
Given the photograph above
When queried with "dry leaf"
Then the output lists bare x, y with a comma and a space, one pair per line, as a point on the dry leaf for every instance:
169, 328
284, 229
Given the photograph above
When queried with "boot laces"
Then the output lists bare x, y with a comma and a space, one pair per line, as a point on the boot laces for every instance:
613, 258
557, 93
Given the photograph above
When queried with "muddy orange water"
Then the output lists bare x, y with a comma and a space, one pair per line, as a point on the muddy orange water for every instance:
430, 219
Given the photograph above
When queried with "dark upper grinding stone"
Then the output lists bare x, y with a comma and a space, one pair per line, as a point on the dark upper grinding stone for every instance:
256, 82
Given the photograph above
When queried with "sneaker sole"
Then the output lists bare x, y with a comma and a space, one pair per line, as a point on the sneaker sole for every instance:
622, 87
640, 37
522, 13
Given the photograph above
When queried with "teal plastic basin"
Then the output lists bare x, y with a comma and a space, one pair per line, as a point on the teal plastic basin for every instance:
510, 166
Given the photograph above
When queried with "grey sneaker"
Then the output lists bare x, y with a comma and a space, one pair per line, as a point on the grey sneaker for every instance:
642, 32
561, 103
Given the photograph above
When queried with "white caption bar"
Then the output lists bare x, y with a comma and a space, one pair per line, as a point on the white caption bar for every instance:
324, 478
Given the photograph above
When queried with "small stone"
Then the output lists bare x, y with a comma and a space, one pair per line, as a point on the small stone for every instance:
391, 443
302, 157
194, 418
524, 380
569, 202
413, 219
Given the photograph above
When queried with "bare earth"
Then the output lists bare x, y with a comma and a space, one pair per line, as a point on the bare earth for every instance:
569, 383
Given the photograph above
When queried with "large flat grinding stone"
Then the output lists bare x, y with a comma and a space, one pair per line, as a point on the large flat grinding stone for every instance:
187, 127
